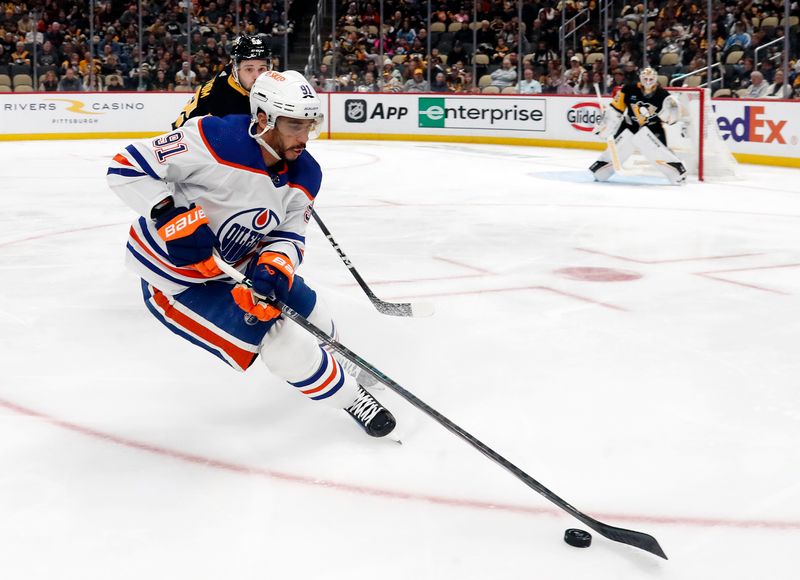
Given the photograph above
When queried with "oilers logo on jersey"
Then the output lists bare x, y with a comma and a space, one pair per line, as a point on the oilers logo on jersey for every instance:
237, 239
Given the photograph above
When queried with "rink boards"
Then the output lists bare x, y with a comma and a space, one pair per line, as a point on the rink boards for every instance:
763, 131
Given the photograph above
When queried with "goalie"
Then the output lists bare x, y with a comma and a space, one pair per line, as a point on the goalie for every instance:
636, 118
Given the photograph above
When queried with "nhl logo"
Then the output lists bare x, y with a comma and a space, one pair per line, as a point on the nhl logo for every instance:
355, 110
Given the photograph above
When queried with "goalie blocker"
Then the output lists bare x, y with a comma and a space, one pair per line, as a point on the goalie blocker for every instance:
636, 119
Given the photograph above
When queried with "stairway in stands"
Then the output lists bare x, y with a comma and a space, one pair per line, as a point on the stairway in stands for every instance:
300, 12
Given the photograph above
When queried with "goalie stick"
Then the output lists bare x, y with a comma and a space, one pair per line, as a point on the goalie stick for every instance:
390, 308
633, 538
612, 145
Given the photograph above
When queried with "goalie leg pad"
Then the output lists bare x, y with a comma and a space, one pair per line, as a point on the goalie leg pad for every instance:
659, 155
603, 168
294, 355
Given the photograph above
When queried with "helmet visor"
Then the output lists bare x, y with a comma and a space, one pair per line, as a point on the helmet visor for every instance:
298, 127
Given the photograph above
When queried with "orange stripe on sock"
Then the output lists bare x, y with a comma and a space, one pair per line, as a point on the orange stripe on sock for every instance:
327, 381
241, 357
119, 158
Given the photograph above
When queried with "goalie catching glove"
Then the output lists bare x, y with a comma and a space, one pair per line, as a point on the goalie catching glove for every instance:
272, 275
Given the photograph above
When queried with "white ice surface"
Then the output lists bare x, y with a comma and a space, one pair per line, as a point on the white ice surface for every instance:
667, 403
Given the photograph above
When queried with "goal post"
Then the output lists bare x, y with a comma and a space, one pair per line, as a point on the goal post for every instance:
701, 148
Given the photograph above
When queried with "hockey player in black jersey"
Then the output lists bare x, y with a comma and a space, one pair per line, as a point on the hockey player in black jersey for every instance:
636, 118
228, 92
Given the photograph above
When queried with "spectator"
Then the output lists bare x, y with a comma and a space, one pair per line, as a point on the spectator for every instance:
457, 53
186, 78
597, 79
758, 86
93, 83
55, 34
139, 78
50, 82
529, 85
575, 69
417, 84
737, 76
114, 83
739, 37
485, 35
322, 80
161, 83
4, 56
388, 66
368, 84
505, 76
543, 53
585, 85
618, 80
568, 84
390, 83
439, 84
501, 51
70, 82
778, 89
47, 56
21, 56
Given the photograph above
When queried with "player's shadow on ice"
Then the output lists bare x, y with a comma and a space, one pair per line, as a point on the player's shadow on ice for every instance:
584, 176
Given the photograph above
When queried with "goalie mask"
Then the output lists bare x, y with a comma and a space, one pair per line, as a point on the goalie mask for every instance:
283, 94
649, 79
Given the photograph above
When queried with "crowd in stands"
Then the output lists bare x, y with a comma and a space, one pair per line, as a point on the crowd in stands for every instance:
45, 45
64, 59
469, 55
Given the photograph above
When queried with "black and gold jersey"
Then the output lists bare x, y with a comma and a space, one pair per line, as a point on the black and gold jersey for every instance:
220, 96
638, 108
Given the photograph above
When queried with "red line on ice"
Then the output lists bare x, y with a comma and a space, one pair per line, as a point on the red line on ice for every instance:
228, 466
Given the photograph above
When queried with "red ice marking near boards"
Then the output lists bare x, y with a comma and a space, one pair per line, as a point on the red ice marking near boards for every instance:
515, 289
711, 275
60, 233
671, 261
589, 274
211, 463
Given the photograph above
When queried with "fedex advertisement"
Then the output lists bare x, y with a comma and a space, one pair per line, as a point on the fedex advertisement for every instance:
762, 127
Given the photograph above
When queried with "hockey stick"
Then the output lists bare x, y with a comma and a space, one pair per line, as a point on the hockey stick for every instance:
612, 145
390, 308
630, 537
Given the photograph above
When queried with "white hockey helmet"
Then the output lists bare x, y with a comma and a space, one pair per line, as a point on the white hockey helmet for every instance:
284, 94
649, 78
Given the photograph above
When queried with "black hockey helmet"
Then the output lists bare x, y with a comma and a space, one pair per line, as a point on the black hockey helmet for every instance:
249, 48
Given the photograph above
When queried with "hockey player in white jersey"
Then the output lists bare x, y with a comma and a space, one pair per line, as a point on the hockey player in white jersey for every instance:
634, 121
243, 185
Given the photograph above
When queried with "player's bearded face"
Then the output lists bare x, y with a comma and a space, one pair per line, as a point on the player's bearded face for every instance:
248, 72
290, 136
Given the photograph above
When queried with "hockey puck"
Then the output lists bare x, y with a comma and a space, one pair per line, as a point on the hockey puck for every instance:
578, 538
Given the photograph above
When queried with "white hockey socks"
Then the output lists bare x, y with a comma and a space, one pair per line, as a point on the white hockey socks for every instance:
294, 355
321, 318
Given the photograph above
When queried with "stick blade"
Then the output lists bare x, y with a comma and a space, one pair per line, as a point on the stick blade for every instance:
417, 309
633, 538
